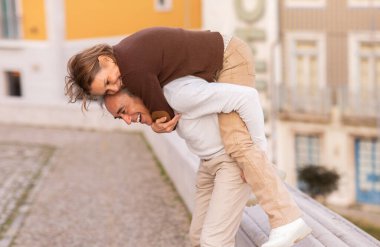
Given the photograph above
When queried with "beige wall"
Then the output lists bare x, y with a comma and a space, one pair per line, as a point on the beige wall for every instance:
335, 20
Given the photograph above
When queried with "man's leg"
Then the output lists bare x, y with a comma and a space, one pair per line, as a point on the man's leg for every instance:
238, 68
227, 203
204, 188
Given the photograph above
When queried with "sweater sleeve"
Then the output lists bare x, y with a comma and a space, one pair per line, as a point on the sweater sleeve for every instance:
194, 98
149, 90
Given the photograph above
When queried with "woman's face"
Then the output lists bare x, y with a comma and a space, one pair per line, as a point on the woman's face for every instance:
108, 79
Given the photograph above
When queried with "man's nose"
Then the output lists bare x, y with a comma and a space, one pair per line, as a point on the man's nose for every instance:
127, 119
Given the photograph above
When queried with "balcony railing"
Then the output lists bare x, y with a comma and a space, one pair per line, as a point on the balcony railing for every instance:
304, 101
359, 105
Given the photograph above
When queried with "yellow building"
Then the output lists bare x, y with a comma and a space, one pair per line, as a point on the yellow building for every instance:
27, 19
38, 36
87, 19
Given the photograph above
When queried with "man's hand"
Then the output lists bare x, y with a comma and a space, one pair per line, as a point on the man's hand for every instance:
160, 126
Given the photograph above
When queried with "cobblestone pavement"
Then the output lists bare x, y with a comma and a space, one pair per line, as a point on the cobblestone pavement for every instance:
75, 188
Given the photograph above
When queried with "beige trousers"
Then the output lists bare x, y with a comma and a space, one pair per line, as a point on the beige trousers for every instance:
220, 192
273, 197
220, 198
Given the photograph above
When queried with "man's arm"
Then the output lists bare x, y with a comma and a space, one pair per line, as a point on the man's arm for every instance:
193, 97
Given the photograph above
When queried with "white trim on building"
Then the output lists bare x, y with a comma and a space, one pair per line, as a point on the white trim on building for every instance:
363, 3
19, 16
305, 3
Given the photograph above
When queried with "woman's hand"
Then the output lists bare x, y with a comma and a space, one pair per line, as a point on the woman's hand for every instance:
160, 126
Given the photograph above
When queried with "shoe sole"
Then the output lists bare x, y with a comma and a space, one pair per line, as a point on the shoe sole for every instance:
305, 233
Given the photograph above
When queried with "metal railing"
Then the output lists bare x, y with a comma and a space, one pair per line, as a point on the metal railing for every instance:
293, 99
359, 104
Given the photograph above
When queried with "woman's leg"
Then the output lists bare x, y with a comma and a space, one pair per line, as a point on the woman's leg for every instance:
238, 68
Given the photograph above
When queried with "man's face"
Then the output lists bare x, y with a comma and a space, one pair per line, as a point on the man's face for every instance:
130, 109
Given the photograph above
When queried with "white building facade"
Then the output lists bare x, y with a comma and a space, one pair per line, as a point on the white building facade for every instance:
320, 84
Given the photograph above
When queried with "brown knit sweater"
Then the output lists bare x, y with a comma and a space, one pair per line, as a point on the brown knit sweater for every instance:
152, 57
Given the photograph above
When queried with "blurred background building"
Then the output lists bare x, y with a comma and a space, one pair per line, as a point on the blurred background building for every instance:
317, 65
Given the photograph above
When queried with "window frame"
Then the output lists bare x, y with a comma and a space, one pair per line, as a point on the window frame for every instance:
308, 136
354, 42
291, 52
15, 27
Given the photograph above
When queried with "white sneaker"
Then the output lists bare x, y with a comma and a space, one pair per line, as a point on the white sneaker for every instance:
289, 234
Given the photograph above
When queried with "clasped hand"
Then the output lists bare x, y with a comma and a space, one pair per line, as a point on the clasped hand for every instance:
160, 126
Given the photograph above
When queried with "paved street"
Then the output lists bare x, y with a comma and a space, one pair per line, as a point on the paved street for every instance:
85, 188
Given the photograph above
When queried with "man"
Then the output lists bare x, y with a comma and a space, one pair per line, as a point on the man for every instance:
221, 193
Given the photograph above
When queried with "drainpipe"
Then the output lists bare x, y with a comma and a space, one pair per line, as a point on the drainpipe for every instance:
374, 28
273, 93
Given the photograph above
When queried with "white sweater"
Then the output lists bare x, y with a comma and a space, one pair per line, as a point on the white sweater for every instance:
199, 102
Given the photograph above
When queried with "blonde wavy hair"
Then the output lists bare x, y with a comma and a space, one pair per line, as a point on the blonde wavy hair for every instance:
82, 69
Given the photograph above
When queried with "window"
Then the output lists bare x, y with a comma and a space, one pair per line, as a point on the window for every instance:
13, 83
369, 68
305, 3
307, 153
365, 66
367, 159
306, 66
306, 56
307, 150
163, 5
9, 22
